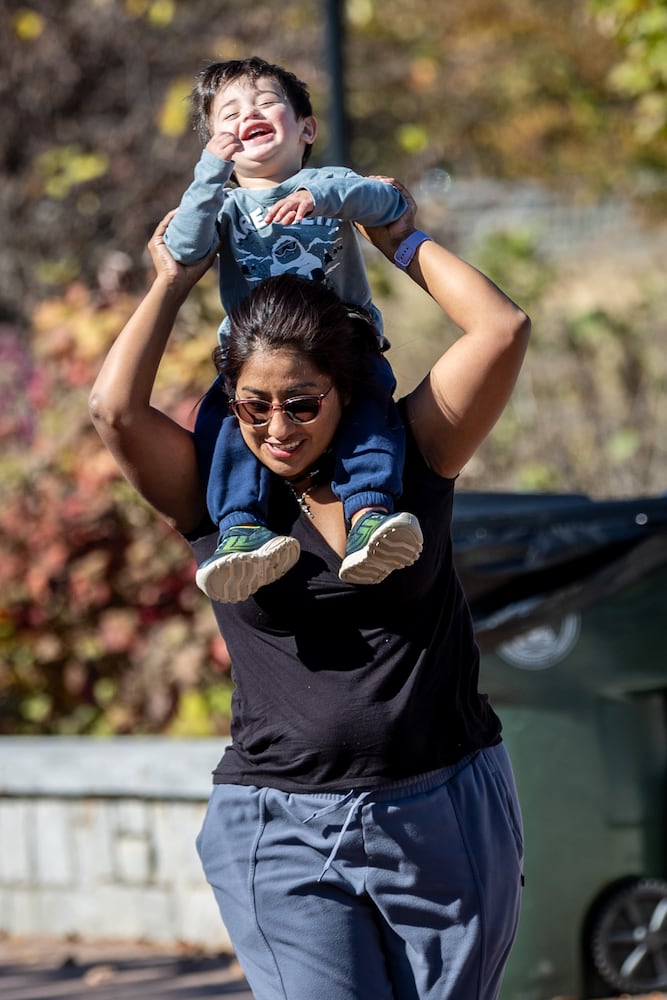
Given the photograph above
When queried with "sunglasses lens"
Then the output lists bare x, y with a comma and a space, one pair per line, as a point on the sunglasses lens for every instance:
253, 411
302, 410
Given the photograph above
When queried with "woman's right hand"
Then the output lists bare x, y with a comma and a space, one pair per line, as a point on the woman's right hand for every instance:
179, 276
388, 238
120, 402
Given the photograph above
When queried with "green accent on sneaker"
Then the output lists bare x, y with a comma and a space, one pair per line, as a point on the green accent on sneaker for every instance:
247, 557
242, 538
378, 544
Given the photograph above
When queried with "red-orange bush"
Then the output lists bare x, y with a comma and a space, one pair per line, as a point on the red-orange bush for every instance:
102, 629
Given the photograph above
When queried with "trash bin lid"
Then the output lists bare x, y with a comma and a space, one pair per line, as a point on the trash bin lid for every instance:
525, 559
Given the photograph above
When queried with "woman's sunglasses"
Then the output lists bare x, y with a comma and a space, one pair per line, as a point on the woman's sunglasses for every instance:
298, 409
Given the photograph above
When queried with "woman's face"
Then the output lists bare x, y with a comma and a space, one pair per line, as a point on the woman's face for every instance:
289, 449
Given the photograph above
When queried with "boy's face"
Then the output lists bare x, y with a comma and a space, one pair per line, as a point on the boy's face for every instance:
260, 116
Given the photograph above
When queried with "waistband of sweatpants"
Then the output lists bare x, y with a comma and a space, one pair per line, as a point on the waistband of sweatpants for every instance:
417, 784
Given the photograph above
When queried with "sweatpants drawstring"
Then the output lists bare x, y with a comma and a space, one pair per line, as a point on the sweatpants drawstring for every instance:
343, 830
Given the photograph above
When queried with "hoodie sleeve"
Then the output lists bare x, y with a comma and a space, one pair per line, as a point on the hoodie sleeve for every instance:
192, 233
342, 194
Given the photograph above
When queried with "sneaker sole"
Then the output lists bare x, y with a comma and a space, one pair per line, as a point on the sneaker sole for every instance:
392, 547
239, 575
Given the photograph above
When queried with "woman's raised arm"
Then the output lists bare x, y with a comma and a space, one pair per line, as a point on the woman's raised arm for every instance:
155, 453
456, 405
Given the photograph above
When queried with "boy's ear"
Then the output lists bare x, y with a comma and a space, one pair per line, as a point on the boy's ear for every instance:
309, 128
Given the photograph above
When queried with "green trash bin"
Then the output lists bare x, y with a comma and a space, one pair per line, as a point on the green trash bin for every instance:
569, 598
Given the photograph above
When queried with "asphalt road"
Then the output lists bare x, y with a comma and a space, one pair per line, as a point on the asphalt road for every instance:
35, 969
42, 970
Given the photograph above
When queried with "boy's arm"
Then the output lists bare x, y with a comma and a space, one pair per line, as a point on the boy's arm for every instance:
192, 233
337, 194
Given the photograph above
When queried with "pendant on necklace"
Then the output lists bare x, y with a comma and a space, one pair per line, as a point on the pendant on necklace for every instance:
302, 499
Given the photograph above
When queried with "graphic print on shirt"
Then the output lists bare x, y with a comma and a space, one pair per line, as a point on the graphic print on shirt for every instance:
309, 249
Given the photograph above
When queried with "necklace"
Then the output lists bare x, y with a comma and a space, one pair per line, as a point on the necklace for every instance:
302, 499
314, 477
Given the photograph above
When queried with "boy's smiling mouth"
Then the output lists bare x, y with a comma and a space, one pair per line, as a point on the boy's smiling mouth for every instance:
256, 132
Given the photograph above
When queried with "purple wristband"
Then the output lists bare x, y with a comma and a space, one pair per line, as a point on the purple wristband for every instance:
408, 248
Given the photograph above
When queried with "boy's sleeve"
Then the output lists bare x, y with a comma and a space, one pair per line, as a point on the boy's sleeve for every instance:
342, 194
192, 233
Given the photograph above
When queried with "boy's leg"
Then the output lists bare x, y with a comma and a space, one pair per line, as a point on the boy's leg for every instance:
368, 478
248, 555
212, 411
370, 446
238, 485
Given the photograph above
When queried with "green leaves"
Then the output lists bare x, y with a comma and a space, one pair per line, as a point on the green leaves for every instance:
639, 28
102, 629
65, 167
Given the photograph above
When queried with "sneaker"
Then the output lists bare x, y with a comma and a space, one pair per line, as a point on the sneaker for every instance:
378, 544
248, 557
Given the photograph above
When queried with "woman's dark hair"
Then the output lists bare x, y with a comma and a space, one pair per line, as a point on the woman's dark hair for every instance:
218, 74
294, 313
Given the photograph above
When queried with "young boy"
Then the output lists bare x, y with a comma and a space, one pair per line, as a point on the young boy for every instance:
270, 214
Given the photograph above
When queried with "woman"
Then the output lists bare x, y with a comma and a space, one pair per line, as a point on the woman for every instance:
363, 837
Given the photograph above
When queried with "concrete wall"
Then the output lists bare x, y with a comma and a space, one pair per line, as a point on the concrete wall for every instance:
97, 839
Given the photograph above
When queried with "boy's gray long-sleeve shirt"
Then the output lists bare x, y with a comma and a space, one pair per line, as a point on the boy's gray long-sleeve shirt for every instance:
325, 246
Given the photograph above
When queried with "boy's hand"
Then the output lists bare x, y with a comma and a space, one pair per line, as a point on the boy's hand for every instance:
224, 145
293, 208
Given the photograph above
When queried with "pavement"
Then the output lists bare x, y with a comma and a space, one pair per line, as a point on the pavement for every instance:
45, 969
56, 969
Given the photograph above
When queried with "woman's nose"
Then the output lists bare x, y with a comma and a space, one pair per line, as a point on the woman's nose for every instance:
279, 424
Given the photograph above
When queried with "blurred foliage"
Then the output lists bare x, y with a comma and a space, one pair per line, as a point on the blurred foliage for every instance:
102, 629
590, 409
640, 29
96, 140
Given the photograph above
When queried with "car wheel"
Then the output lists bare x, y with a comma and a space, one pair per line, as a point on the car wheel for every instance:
628, 937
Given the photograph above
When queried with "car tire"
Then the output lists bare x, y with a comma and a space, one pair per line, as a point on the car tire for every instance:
628, 937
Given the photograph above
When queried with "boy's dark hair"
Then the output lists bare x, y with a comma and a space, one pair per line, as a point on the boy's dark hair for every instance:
218, 74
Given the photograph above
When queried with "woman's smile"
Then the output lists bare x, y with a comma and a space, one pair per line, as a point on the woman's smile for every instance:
282, 449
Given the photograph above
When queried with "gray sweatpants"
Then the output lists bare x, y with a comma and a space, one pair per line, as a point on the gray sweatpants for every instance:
407, 893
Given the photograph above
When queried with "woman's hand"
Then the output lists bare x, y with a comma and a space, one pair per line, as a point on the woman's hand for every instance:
181, 277
388, 238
